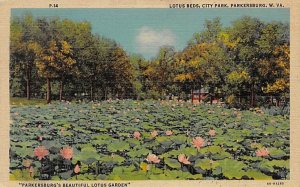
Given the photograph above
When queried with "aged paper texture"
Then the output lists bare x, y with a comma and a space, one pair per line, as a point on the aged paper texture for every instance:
149, 93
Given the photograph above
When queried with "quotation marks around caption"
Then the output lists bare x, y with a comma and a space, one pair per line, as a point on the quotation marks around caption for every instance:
112, 184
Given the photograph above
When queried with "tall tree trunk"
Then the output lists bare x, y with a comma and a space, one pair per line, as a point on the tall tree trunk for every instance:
193, 88
91, 91
278, 101
61, 86
28, 83
48, 90
252, 96
199, 95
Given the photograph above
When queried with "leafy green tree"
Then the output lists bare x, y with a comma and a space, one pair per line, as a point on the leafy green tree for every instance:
255, 43
139, 64
245, 32
23, 49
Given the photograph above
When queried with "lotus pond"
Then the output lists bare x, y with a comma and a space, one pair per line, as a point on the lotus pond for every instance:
146, 140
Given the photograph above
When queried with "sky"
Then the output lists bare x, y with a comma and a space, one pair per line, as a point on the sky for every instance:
143, 31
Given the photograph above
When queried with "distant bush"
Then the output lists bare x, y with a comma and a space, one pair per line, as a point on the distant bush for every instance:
274, 111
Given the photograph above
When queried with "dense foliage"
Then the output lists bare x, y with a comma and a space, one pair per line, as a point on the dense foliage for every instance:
130, 140
64, 60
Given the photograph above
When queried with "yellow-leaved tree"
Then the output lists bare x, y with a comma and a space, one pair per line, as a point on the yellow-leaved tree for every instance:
55, 61
279, 72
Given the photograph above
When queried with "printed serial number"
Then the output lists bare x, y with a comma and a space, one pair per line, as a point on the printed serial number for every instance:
53, 5
275, 183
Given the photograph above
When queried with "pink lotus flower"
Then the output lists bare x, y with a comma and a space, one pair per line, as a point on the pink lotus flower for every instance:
169, 133
40, 138
154, 133
67, 153
76, 169
198, 142
153, 158
183, 159
212, 132
40, 152
262, 152
137, 135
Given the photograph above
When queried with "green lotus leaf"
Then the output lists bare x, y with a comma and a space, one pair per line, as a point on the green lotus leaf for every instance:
151, 145
178, 174
188, 151
161, 139
24, 144
265, 167
250, 158
55, 178
115, 158
100, 142
257, 175
84, 167
206, 164
276, 153
20, 175
155, 170
85, 157
86, 176
179, 139
124, 134
172, 163
138, 153
269, 165
51, 143
270, 130
15, 163
160, 177
122, 169
118, 146
232, 169
88, 148
103, 137
66, 175
256, 145
68, 133
278, 143
132, 175
221, 155
213, 149
133, 141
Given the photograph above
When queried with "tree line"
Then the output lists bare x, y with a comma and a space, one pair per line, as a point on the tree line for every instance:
246, 63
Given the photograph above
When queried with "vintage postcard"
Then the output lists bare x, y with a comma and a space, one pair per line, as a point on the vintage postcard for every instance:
127, 93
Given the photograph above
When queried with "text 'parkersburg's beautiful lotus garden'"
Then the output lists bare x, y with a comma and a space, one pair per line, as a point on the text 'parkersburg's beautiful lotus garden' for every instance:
144, 140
